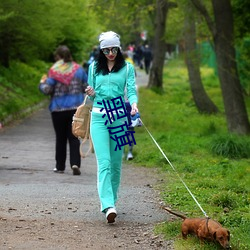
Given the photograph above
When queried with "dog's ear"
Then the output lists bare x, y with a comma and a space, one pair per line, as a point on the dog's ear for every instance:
228, 237
214, 235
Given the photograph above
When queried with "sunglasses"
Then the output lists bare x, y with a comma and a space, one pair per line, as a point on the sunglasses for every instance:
106, 51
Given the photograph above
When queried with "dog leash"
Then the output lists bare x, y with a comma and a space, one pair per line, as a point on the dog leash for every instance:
175, 170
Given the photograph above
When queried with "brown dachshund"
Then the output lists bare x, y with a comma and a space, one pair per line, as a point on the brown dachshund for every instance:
204, 229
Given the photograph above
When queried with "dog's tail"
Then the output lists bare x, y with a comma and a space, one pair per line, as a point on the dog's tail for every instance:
175, 213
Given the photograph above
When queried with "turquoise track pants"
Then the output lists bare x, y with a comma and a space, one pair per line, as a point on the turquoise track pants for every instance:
109, 161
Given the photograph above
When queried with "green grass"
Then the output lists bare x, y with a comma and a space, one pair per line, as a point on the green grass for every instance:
19, 88
214, 164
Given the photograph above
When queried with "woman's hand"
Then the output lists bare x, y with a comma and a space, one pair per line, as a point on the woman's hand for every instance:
43, 79
134, 109
90, 91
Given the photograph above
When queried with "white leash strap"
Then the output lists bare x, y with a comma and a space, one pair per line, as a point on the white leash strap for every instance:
174, 169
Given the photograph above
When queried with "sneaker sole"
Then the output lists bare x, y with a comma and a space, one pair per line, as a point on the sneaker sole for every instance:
111, 217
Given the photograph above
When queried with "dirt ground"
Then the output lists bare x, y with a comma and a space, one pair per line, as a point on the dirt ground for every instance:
40, 209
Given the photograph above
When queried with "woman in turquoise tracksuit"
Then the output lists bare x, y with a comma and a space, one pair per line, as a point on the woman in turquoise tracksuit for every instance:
108, 77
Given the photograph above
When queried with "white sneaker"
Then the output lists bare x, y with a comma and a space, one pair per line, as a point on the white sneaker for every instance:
111, 214
130, 156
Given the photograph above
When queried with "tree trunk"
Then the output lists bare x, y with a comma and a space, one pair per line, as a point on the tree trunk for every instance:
201, 99
223, 38
159, 47
235, 109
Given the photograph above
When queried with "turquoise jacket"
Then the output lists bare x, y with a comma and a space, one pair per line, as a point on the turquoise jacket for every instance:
113, 85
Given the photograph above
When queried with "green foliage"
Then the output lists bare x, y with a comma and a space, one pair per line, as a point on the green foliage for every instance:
219, 183
241, 17
224, 200
175, 28
243, 59
128, 18
19, 87
29, 33
175, 25
231, 146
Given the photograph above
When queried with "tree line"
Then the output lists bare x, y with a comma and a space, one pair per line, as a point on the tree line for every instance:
32, 30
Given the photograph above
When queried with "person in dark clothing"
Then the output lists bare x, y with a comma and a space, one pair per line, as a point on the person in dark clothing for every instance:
138, 56
65, 83
93, 55
147, 54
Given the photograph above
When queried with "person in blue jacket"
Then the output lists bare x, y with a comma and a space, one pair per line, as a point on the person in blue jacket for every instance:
108, 77
65, 83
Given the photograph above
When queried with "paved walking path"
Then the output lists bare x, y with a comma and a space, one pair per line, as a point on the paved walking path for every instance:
31, 191
141, 78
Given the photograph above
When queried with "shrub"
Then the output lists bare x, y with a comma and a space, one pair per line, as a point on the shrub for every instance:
223, 200
231, 146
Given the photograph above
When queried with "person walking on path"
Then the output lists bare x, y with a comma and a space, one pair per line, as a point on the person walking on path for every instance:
108, 77
65, 84
147, 54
